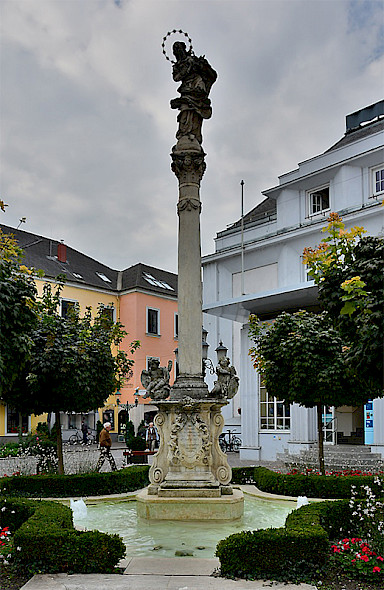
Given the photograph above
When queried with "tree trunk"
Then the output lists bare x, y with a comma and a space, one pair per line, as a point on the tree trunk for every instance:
59, 444
320, 432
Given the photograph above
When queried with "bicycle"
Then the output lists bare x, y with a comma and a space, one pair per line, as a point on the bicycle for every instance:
233, 443
77, 438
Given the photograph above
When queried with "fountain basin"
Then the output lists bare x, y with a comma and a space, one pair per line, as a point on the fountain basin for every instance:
162, 538
224, 508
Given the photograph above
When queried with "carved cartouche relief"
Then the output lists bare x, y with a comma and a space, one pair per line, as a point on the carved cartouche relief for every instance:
189, 442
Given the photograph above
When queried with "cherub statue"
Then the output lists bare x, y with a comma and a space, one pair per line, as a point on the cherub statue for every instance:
156, 380
227, 382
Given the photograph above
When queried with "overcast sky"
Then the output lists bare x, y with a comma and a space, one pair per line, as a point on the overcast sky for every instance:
86, 127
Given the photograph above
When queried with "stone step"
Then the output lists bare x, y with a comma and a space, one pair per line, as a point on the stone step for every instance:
337, 457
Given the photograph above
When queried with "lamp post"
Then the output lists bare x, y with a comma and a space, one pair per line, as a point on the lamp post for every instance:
127, 407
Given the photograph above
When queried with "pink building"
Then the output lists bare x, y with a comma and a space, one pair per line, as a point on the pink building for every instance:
148, 310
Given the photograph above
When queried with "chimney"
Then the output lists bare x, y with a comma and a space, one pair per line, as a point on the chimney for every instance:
62, 252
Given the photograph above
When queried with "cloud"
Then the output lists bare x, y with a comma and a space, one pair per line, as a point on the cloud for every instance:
87, 129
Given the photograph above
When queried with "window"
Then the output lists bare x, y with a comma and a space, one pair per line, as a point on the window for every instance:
13, 421
378, 181
109, 312
153, 321
155, 282
274, 414
109, 416
103, 277
66, 305
318, 200
176, 325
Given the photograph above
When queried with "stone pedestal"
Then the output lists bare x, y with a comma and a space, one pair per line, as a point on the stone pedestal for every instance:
189, 461
190, 475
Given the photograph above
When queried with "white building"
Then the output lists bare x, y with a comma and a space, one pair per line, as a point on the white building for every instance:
259, 270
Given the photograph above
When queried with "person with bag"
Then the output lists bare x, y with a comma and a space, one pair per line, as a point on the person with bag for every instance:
105, 443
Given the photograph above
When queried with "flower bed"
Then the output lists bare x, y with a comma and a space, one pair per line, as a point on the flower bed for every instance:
311, 485
301, 548
354, 557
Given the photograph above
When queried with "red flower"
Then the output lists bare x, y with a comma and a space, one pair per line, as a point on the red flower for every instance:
376, 569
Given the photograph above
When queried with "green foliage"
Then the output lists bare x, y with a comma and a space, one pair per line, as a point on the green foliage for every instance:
303, 359
72, 367
17, 312
129, 433
99, 428
312, 486
294, 553
348, 270
49, 543
137, 444
43, 431
290, 553
9, 450
40, 445
87, 484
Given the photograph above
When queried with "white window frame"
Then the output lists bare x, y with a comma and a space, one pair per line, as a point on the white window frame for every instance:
304, 272
73, 301
6, 422
376, 193
176, 325
147, 323
310, 193
272, 404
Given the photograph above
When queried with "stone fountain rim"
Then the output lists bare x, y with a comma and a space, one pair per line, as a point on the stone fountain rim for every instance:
247, 489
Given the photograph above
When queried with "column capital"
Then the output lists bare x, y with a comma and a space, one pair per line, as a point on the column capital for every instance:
189, 166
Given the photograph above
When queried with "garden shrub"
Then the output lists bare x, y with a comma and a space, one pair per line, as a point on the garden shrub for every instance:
48, 542
80, 485
312, 486
289, 553
9, 450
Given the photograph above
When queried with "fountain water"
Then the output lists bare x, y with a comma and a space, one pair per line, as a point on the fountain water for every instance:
302, 501
162, 538
79, 509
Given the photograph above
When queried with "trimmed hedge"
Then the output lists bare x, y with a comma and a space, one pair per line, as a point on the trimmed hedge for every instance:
89, 484
312, 486
288, 553
48, 541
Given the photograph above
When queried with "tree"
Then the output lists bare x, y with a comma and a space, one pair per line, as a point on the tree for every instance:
334, 358
71, 366
303, 360
348, 269
17, 311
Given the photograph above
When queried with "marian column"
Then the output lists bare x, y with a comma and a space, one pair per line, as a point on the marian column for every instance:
196, 77
190, 475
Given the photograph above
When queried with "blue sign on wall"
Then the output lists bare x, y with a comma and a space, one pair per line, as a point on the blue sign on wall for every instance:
368, 423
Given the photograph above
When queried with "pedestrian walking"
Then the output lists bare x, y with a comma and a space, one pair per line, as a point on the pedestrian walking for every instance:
105, 443
151, 437
84, 430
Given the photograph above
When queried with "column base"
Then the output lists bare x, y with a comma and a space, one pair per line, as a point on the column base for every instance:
192, 386
224, 508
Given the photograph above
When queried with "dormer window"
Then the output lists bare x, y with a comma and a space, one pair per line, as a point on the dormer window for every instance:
318, 200
103, 277
155, 282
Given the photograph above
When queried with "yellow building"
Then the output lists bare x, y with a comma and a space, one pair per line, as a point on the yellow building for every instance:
90, 284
